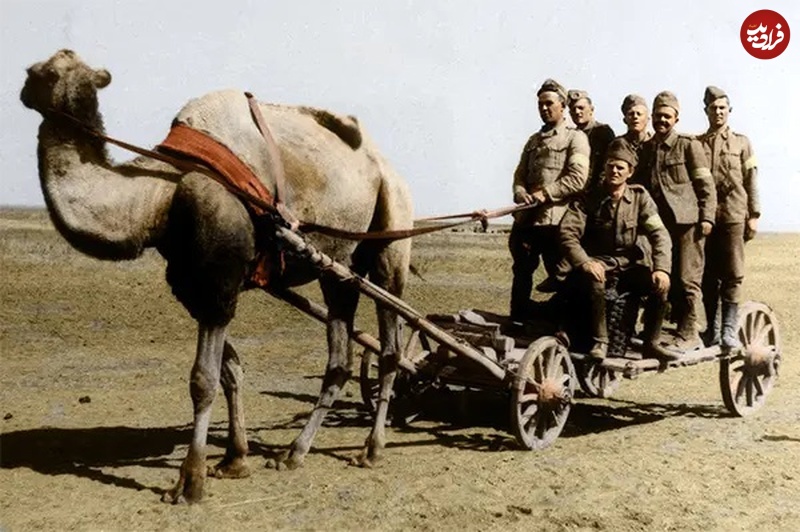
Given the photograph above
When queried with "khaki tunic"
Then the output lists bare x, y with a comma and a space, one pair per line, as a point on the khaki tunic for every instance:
676, 173
595, 227
734, 168
556, 161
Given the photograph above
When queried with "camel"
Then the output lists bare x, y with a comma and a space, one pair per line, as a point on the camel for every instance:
334, 176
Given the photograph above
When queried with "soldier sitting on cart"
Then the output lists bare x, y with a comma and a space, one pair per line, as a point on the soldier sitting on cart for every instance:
598, 236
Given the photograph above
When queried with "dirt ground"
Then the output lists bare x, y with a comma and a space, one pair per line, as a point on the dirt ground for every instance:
96, 412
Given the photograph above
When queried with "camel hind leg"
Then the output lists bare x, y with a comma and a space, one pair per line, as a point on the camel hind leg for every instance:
388, 265
389, 271
341, 300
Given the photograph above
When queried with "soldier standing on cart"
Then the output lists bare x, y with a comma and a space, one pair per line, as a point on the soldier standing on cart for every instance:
598, 236
581, 110
674, 169
553, 167
733, 166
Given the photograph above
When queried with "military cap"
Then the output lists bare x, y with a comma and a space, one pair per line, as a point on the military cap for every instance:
622, 151
666, 98
632, 100
551, 85
713, 93
574, 95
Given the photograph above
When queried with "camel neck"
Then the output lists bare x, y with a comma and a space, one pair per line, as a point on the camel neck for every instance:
101, 210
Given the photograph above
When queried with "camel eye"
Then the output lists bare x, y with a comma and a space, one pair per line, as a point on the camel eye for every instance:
49, 73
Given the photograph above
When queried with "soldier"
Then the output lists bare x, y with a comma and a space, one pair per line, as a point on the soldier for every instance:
600, 135
554, 166
598, 236
675, 171
635, 115
733, 167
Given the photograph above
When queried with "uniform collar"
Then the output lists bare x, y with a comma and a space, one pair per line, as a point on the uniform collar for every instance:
724, 132
671, 138
627, 196
555, 130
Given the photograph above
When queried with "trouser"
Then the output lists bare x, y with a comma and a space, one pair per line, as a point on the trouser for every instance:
724, 268
688, 259
528, 244
636, 280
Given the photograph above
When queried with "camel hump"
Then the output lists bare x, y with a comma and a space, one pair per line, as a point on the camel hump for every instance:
344, 127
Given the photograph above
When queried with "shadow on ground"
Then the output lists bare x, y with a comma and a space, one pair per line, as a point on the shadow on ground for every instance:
87, 452
450, 411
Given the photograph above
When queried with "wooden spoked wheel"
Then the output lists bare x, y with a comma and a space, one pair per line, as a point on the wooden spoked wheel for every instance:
597, 381
369, 372
747, 375
542, 394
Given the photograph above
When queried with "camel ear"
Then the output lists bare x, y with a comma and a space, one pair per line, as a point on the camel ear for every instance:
101, 78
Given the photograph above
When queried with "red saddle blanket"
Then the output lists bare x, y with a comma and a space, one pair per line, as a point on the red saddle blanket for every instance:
193, 144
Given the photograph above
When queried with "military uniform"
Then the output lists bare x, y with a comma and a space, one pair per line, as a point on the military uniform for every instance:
597, 228
554, 160
734, 169
676, 173
600, 136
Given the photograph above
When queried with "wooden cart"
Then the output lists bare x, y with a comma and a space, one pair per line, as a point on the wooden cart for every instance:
531, 363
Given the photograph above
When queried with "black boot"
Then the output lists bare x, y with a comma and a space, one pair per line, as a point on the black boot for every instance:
711, 336
730, 317
654, 312
688, 339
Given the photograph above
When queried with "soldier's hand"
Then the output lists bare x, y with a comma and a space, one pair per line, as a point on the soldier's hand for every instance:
750, 229
705, 228
523, 198
596, 269
660, 283
538, 196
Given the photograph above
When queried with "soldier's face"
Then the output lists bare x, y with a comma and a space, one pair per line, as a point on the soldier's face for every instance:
581, 112
718, 112
664, 119
636, 118
617, 172
551, 108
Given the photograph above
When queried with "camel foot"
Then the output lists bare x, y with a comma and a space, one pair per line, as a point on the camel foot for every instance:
184, 492
230, 468
189, 488
286, 460
367, 458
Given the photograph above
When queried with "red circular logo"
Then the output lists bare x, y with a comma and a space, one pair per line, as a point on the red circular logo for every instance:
765, 34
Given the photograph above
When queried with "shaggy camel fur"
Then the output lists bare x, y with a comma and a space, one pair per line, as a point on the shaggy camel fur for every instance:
334, 176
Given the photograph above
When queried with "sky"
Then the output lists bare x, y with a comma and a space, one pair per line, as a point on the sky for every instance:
447, 89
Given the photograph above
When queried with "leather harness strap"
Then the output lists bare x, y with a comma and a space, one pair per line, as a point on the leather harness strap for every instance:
275, 161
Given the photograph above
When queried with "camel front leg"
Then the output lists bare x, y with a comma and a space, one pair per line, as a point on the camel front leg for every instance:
205, 378
341, 300
387, 371
234, 464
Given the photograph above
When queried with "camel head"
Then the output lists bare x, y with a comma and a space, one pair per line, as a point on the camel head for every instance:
64, 83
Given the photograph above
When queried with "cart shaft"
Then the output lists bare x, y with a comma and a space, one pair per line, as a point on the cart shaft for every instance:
415, 320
